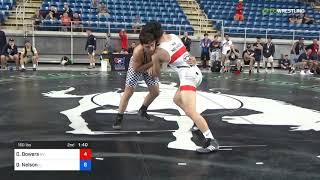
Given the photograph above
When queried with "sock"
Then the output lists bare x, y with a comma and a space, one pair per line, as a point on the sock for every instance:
208, 134
143, 108
119, 116
22, 66
34, 66
93, 64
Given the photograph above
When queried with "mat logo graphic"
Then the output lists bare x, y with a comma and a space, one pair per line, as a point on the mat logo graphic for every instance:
267, 111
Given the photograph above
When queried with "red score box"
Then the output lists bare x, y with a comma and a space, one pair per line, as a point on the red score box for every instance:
85, 154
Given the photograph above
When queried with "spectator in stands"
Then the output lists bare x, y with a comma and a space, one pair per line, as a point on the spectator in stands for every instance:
258, 47
248, 56
133, 45
65, 22
239, 11
29, 54
215, 49
137, 24
297, 49
77, 22
186, 41
37, 19
67, 10
232, 59
268, 54
108, 43
285, 63
10, 53
292, 19
299, 19
103, 10
3, 42
54, 11
124, 39
306, 19
303, 62
315, 48
205, 47
94, 3
225, 47
91, 47
50, 16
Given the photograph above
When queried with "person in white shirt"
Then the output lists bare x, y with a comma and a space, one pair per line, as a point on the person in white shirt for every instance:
29, 54
225, 47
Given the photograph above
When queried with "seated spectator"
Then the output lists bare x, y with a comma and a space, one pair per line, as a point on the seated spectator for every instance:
299, 19
94, 3
304, 61
249, 57
10, 53
29, 54
37, 19
133, 45
292, 19
103, 10
54, 11
232, 58
51, 16
77, 22
65, 22
285, 63
306, 19
137, 24
67, 10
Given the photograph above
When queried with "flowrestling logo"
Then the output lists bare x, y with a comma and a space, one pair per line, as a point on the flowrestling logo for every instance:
282, 11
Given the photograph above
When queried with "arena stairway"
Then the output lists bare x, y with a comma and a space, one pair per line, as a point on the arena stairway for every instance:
196, 17
30, 7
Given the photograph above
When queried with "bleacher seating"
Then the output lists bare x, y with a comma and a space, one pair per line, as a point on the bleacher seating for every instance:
5, 6
168, 12
254, 17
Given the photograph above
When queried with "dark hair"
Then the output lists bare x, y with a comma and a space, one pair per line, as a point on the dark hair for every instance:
152, 27
258, 37
226, 35
146, 37
215, 36
206, 34
269, 37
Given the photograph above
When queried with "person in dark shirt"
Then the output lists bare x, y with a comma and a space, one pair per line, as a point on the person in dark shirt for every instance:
268, 53
305, 62
91, 46
249, 57
66, 9
232, 58
3, 41
10, 53
258, 47
186, 41
285, 63
205, 46
215, 49
133, 45
297, 49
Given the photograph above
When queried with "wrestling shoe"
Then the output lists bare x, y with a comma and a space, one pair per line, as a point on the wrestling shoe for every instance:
194, 128
117, 124
143, 114
211, 145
